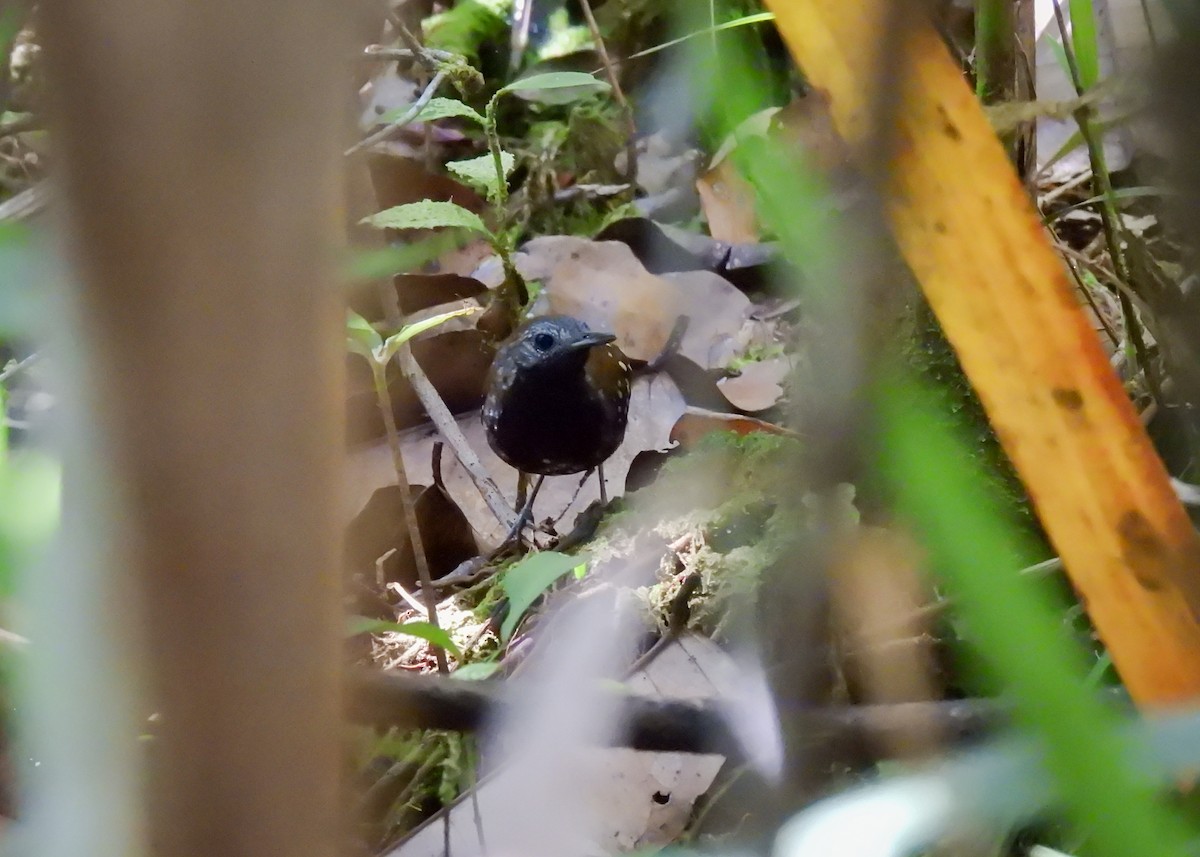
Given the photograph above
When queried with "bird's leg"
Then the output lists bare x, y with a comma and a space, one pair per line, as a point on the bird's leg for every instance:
522, 488
603, 490
514, 534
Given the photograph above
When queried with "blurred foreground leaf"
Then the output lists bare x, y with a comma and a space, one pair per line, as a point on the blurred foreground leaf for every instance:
525, 581
1019, 633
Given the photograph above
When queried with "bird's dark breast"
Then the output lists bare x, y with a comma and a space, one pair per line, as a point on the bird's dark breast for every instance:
554, 426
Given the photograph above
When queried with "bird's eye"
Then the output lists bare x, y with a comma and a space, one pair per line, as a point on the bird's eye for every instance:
543, 341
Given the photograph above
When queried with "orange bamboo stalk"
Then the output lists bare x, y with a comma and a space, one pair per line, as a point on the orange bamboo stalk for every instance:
973, 239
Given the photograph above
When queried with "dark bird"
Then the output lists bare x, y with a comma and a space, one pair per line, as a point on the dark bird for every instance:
557, 399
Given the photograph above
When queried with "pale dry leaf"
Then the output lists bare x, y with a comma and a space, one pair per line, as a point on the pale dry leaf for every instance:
662, 164
630, 786
385, 91
465, 259
758, 386
603, 283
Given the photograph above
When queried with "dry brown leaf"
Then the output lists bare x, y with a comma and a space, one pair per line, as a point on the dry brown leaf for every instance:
648, 798
728, 203
462, 260
879, 595
1059, 410
806, 125
603, 283
380, 528
654, 408
697, 423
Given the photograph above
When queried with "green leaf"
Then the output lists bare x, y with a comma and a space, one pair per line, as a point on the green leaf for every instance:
1085, 41
480, 172
361, 338
563, 38
24, 269
424, 630
525, 581
397, 340
558, 80
30, 502
375, 264
756, 18
1117, 194
476, 672
465, 26
1015, 625
427, 214
437, 108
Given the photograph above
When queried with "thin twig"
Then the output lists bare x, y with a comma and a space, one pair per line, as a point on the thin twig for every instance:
1149, 21
389, 130
1087, 296
20, 125
405, 701
410, 511
25, 204
379, 52
678, 616
19, 366
467, 571
435, 758
11, 638
441, 417
1075, 181
473, 764
1110, 222
422, 54
408, 597
626, 110
375, 794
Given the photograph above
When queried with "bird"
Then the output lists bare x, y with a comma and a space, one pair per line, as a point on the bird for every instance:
557, 400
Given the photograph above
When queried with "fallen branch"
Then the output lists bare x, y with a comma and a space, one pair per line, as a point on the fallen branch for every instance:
410, 701
441, 417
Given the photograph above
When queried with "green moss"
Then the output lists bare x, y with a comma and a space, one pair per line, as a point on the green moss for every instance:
757, 353
467, 26
582, 143
733, 503
928, 352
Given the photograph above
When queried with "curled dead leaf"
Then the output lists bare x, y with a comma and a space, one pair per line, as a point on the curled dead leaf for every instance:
603, 283
695, 424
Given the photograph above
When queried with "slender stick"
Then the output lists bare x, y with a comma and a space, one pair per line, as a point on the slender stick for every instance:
379, 52
410, 508
13, 368
626, 110
441, 417
1110, 222
409, 115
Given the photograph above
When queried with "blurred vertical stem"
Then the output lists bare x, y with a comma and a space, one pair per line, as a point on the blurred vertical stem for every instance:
614, 81
1082, 52
1083, 40
995, 50
428, 595
1148, 20
1013, 623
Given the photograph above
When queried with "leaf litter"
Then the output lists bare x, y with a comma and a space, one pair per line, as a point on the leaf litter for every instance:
726, 376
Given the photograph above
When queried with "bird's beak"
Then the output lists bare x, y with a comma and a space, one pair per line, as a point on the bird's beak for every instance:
591, 340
